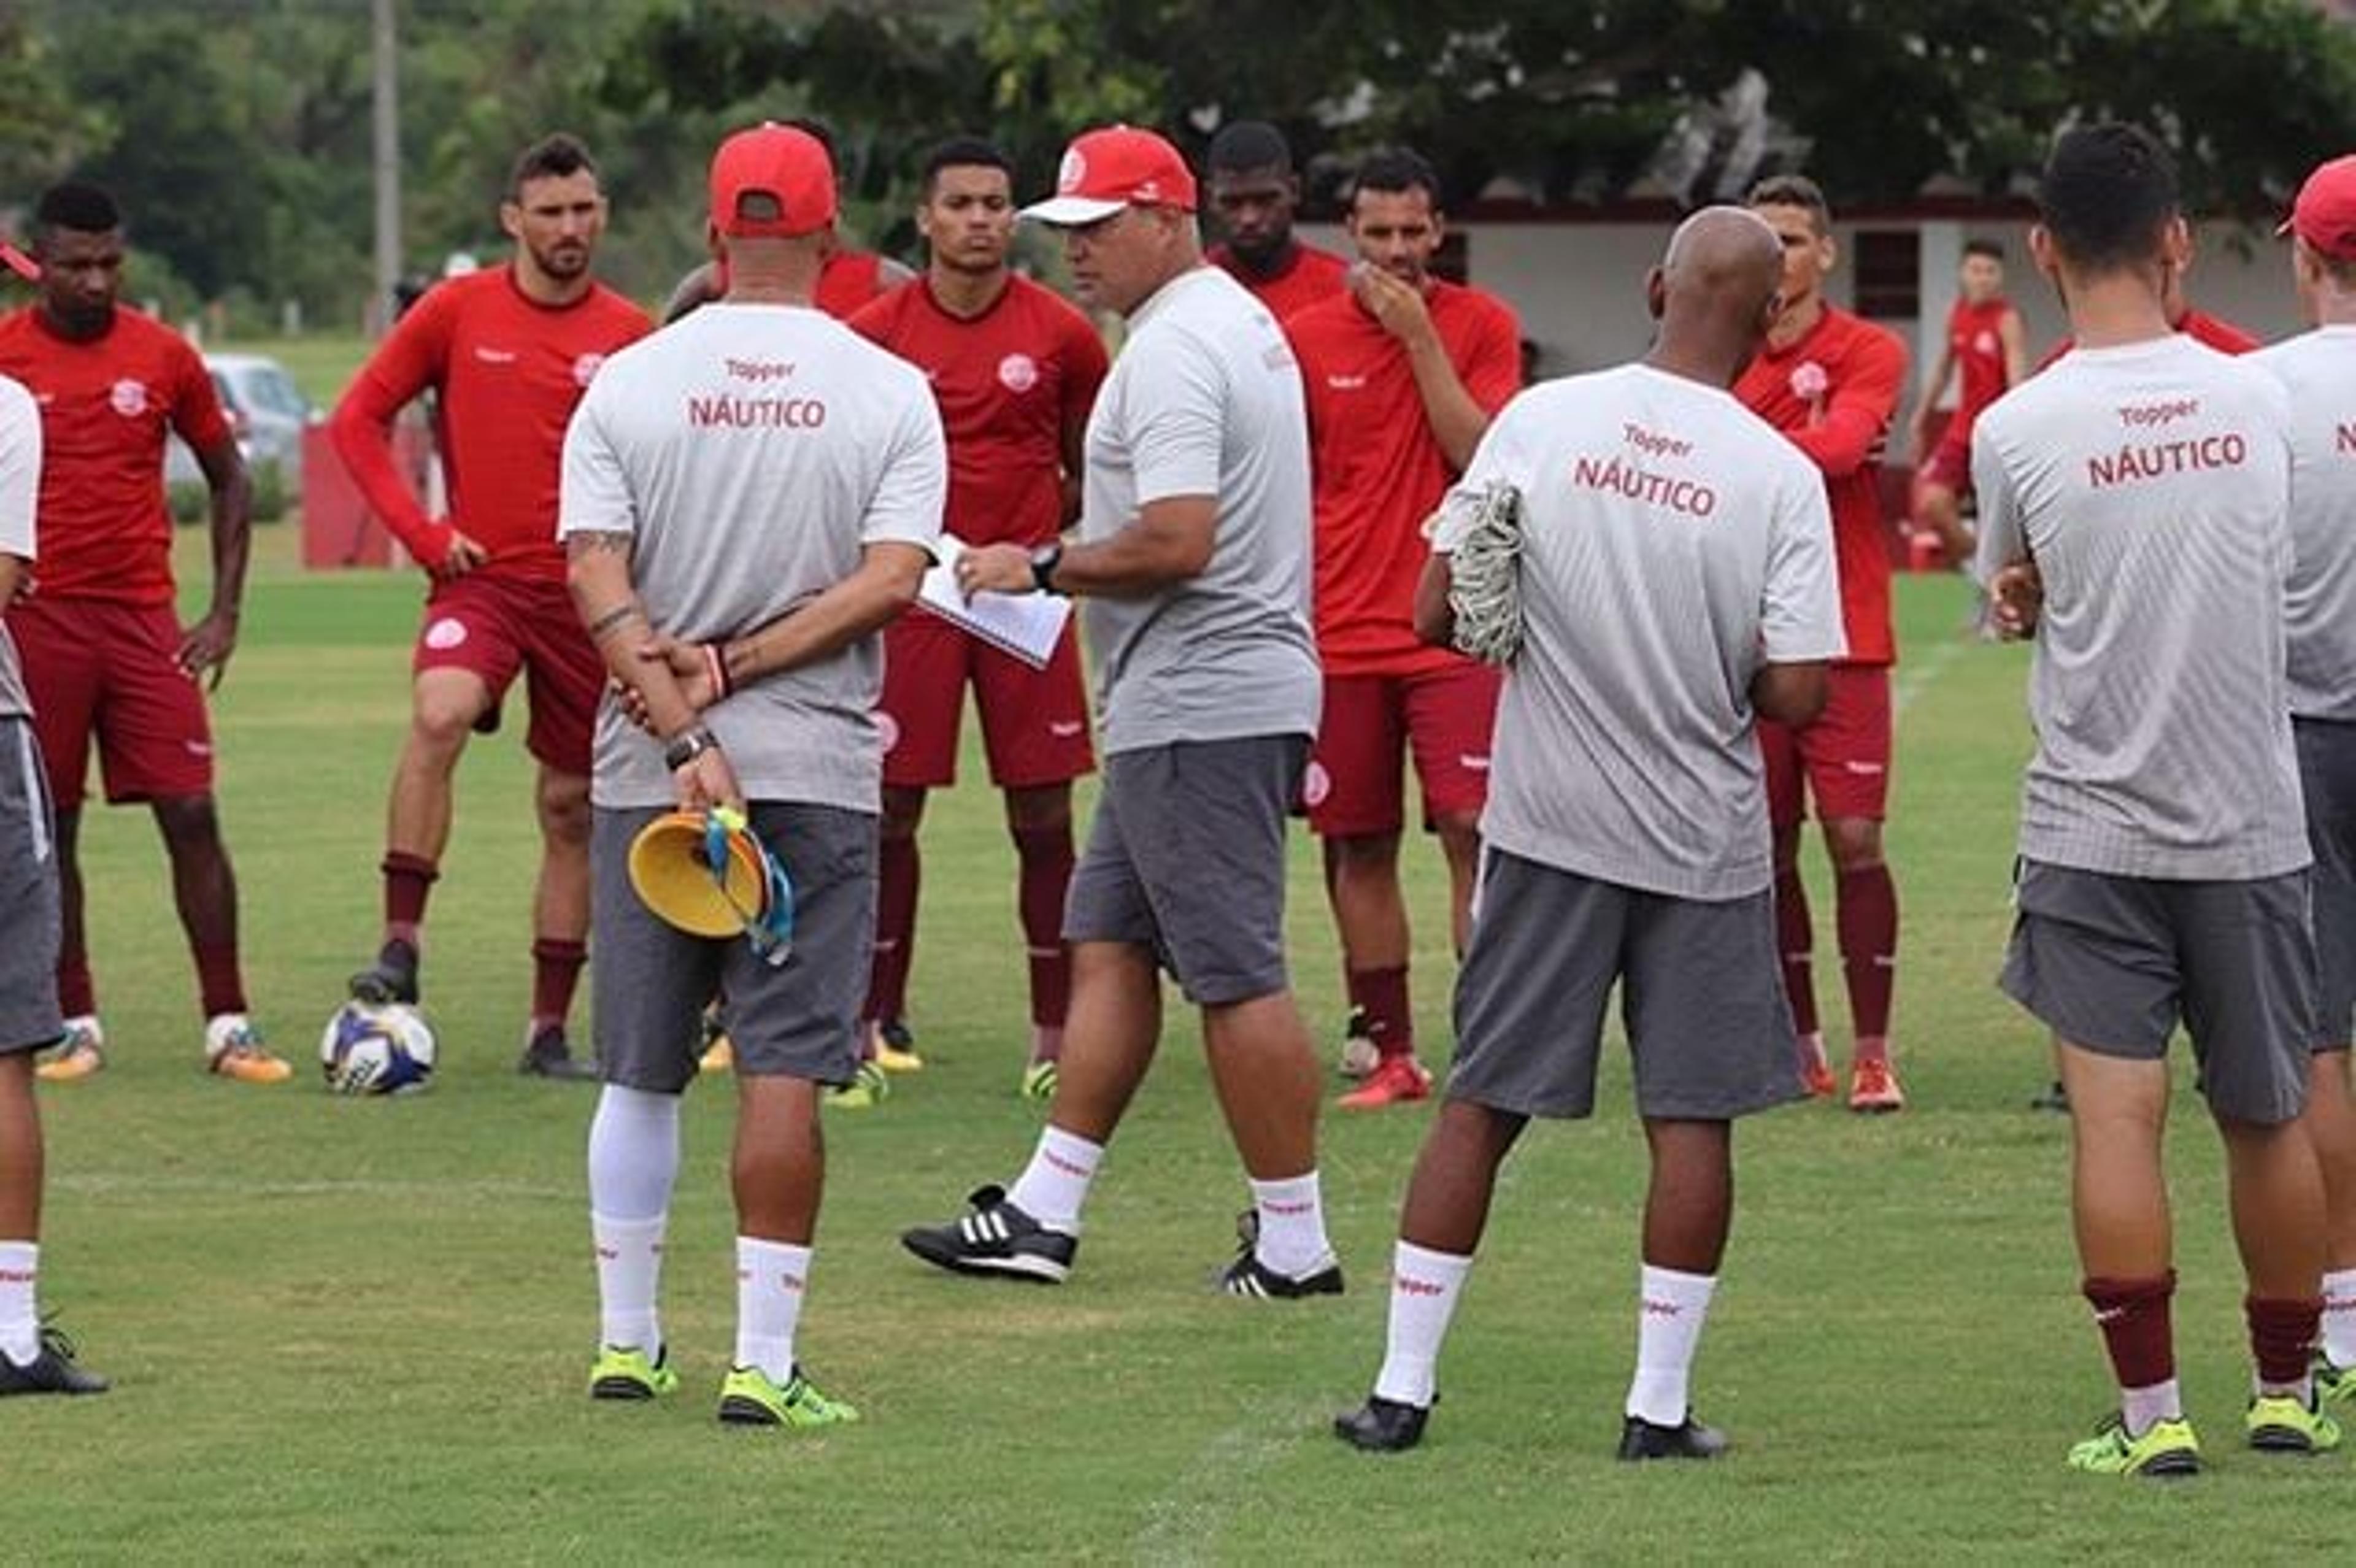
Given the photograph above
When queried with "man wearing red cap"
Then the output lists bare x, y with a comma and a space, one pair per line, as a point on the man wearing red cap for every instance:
748, 498
1193, 569
2318, 370
106, 659
1015, 370
507, 353
1402, 375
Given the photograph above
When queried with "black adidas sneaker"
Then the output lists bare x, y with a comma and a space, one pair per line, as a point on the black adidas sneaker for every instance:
993, 1236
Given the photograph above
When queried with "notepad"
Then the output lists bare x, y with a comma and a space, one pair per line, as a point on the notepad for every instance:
1026, 626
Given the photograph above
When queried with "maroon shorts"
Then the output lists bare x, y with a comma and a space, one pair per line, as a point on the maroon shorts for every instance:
1355, 786
112, 673
1035, 722
1950, 465
1844, 755
493, 627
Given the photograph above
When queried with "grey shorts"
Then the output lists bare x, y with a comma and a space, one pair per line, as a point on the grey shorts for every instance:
1701, 994
2326, 771
1186, 856
797, 1020
2112, 963
28, 896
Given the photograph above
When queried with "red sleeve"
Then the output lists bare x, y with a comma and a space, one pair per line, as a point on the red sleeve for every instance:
873, 320
404, 364
1856, 418
1492, 371
1086, 365
196, 401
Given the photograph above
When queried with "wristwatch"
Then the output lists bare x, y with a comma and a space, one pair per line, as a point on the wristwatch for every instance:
690, 745
1043, 562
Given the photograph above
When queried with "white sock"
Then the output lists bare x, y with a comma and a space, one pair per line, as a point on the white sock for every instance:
1056, 1183
771, 1277
2339, 1318
2142, 1408
1292, 1226
630, 1282
1669, 1313
1424, 1287
20, 1313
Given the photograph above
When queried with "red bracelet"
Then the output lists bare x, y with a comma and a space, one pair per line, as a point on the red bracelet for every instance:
718, 668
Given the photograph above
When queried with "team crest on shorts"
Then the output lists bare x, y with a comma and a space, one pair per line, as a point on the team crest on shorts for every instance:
1018, 372
1316, 784
585, 368
128, 398
888, 728
445, 634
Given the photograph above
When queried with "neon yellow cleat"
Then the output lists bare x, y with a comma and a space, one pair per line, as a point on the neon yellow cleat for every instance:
623, 1371
894, 1046
2278, 1423
749, 1399
2334, 1385
2167, 1449
1039, 1080
868, 1089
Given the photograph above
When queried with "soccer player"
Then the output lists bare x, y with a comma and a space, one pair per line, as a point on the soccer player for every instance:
1015, 371
34, 1358
2318, 370
2163, 853
1676, 578
1254, 192
1987, 345
1402, 374
1193, 569
850, 278
761, 490
105, 657
1831, 383
506, 353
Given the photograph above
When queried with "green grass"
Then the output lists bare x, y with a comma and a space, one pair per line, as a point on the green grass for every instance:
358, 1331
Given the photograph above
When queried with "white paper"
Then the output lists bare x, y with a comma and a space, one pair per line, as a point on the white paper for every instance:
1025, 625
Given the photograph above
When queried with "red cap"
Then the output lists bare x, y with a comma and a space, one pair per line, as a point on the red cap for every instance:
16, 262
787, 166
2324, 215
1104, 171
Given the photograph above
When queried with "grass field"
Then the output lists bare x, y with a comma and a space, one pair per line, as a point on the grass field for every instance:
358, 1331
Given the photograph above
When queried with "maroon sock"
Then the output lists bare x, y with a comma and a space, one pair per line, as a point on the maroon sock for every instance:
1045, 858
555, 972
1381, 995
408, 880
1866, 906
895, 929
2282, 1337
2133, 1315
219, 986
1795, 940
77, 991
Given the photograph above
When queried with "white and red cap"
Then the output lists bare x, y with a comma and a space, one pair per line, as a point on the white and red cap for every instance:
1106, 170
789, 166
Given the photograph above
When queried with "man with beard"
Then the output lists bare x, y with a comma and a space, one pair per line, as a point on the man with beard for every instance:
507, 352
1254, 191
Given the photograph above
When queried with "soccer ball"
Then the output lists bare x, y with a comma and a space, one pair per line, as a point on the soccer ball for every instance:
371, 1050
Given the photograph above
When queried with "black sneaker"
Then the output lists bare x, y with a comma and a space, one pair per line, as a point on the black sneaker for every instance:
995, 1237
392, 978
2056, 1098
1249, 1277
1384, 1425
548, 1055
1689, 1439
52, 1371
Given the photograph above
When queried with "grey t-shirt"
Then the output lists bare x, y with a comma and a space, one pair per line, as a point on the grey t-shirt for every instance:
2150, 484
2318, 370
1673, 542
752, 452
20, 491
1205, 401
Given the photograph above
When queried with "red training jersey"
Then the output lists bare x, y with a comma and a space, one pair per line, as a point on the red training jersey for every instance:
848, 281
1975, 338
1833, 392
106, 403
508, 372
2218, 334
1309, 276
1009, 382
1377, 469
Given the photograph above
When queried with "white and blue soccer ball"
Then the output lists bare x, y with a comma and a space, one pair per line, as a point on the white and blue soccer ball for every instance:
368, 1048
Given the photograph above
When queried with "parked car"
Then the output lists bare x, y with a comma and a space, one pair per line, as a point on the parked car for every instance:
267, 413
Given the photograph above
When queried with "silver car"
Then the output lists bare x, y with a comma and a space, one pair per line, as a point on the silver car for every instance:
267, 413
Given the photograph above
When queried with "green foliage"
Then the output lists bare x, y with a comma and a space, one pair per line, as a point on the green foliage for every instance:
190, 501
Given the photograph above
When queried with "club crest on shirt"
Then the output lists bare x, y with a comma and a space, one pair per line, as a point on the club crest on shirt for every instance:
585, 368
1984, 343
1018, 372
1809, 380
128, 398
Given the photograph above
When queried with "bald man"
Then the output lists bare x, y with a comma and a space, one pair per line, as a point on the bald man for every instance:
1677, 583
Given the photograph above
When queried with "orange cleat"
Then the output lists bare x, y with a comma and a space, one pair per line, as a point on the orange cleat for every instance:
1873, 1089
1815, 1071
1394, 1081
79, 1054
233, 1050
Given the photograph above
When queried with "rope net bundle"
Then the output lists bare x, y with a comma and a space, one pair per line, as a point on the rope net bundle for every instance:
1482, 535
